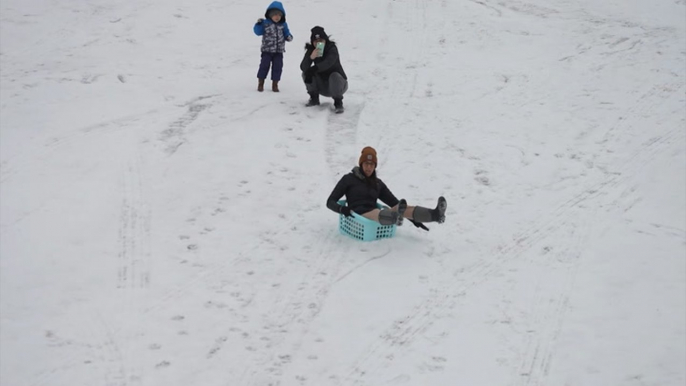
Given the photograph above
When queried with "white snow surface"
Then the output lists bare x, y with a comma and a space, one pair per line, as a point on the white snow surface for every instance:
163, 223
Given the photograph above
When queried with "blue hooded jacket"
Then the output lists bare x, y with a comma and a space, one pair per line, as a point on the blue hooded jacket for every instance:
274, 35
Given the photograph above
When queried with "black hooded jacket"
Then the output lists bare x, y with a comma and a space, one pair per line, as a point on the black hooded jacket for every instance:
326, 65
361, 193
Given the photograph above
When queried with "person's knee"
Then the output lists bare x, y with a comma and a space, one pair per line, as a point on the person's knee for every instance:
310, 84
338, 85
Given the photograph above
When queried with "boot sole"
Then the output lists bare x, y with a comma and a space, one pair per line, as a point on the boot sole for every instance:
402, 207
441, 207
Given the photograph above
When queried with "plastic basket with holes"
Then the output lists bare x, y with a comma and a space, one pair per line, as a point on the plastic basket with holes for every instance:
361, 228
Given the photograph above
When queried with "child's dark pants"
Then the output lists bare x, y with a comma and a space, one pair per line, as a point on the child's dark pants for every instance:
275, 59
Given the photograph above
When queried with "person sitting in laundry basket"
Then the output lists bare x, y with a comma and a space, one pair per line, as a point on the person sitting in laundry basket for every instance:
362, 188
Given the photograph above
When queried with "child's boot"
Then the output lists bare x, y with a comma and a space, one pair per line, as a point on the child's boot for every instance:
275, 85
260, 85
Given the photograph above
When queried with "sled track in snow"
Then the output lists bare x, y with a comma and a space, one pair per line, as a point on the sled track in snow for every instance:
134, 232
95, 348
550, 310
548, 316
400, 334
644, 106
108, 353
17, 163
174, 135
341, 136
290, 324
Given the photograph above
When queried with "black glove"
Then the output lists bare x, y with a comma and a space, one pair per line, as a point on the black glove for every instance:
259, 21
309, 73
345, 211
419, 225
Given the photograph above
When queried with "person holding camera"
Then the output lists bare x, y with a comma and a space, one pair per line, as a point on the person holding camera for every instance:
322, 70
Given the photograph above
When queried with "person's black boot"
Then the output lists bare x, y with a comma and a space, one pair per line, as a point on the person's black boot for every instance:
402, 207
439, 212
314, 100
338, 105
422, 214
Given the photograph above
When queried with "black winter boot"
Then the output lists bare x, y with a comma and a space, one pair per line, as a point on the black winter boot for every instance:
422, 214
402, 207
440, 210
338, 105
314, 99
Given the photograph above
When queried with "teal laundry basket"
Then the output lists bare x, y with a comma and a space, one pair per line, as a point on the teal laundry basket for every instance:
361, 228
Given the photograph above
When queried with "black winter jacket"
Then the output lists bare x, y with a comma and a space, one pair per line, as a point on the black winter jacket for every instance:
361, 196
327, 64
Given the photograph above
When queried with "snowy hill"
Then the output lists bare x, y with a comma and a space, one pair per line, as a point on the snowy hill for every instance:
163, 223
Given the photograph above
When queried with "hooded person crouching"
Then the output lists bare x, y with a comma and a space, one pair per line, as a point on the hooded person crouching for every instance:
322, 70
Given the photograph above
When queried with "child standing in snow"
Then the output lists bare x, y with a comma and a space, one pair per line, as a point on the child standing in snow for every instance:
275, 34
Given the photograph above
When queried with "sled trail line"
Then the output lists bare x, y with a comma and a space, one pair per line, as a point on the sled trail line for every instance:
400, 334
289, 325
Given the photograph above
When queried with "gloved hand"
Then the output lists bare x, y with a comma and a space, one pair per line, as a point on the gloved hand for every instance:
419, 225
259, 21
289, 38
309, 73
345, 211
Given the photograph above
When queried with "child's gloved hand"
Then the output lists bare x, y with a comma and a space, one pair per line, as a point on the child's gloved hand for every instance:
259, 21
289, 38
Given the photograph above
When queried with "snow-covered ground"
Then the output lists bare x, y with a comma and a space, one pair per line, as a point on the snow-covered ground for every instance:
163, 223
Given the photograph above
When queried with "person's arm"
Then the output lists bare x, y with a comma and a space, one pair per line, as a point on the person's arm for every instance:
307, 61
336, 194
287, 32
386, 196
329, 59
259, 27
